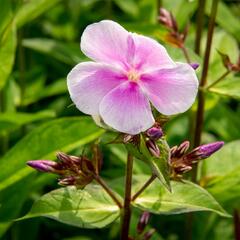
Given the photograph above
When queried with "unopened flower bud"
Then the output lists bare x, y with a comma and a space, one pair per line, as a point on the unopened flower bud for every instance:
44, 165
67, 181
149, 234
194, 65
143, 221
204, 151
167, 19
153, 148
154, 133
179, 151
87, 166
67, 159
127, 138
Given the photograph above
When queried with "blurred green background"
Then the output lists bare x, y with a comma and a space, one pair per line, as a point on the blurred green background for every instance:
39, 45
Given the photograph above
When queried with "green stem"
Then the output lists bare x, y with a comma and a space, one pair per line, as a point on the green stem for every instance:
185, 52
201, 101
108, 190
218, 80
126, 217
200, 18
149, 181
203, 82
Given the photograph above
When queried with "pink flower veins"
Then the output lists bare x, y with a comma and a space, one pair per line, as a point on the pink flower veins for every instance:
128, 72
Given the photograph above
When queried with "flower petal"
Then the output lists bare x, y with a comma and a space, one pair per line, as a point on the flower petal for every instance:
149, 54
89, 82
171, 90
105, 41
126, 109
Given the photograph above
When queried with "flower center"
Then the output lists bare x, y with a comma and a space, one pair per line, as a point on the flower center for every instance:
133, 76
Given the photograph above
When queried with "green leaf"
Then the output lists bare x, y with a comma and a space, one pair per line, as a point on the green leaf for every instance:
64, 134
159, 165
32, 9
229, 87
56, 88
11, 121
66, 53
222, 172
6, 14
225, 43
223, 122
177, 6
7, 53
129, 6
226, 189
226, 19
88, 208
185, 197
223, 161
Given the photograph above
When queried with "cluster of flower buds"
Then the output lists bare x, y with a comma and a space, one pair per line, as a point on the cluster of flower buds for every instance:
232, 67
142, 223
174, 37
73, 170
181, 160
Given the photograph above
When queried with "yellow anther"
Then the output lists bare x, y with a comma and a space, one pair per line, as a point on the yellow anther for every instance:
133, 76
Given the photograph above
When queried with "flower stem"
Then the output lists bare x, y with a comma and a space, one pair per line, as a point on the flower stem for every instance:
203, 82
127, 200
200, 18
108, 190
185, 52
219, 79
237, 224
149, 181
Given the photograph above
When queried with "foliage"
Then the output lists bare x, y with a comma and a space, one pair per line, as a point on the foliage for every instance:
39, 44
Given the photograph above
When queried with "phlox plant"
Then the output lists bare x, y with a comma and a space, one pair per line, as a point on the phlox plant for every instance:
131, 88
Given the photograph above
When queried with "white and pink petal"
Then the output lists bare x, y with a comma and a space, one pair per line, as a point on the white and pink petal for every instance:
105, 41
89, 82
149, 54
126, 109
171, 90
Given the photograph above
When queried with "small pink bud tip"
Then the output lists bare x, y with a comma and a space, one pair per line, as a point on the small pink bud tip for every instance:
208, 149
179, 151
68, 181
43, 165
153, 148
143, 221
149, 234
194, 65
154, 133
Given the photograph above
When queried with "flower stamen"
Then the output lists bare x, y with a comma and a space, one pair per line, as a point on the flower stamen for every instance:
133, 76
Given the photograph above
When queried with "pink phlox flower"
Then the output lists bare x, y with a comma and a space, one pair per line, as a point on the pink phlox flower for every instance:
128, 72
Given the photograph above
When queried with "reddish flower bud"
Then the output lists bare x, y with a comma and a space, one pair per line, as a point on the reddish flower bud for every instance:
87, 166
154, 133
228, 64
149, 234
166, 18
67, 159
143, 221
67, 181
153, 148
204, 151
44, 165
179, 151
